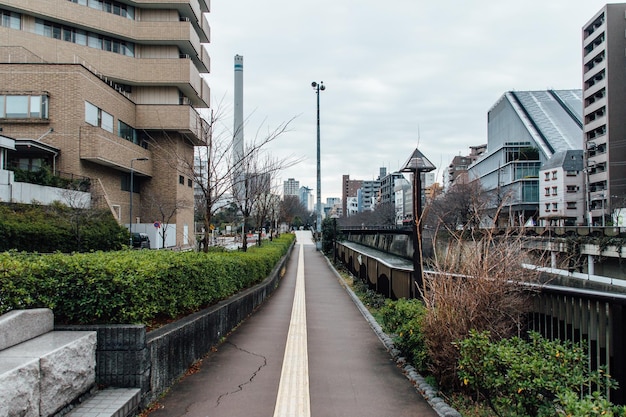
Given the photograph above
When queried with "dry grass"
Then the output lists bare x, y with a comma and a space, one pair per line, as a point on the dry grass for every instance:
478, 285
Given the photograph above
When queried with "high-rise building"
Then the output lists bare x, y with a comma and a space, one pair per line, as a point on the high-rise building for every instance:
349, 188
291, 187
604, 110
109, 90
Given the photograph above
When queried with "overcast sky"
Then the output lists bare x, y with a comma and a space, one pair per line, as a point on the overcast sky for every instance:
398, 74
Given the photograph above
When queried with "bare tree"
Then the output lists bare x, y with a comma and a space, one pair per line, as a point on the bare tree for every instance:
217, 174
166, 209
291, 208
253, 178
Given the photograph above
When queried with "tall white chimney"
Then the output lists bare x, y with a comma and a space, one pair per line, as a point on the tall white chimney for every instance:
238, 116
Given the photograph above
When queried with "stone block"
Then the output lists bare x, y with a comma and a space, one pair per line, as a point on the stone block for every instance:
19, 379
66, 366
18, 326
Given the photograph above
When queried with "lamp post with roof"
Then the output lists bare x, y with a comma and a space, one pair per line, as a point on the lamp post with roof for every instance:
417, 164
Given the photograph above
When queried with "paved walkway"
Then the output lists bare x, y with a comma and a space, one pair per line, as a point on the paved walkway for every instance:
308, 351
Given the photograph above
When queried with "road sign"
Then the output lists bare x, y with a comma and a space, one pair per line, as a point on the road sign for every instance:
157, 225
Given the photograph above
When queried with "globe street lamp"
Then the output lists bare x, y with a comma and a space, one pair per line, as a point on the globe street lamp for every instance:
318, 242
417, 164
130, 216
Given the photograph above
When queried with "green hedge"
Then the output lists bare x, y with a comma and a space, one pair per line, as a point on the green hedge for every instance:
58, 228
131, 286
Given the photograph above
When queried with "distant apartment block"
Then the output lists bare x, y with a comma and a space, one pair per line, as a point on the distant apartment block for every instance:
604, 109
98, 89
349, 189
291, 187
562, 196
457, 170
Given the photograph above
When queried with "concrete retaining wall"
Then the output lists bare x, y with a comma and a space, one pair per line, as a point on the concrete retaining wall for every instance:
129, 357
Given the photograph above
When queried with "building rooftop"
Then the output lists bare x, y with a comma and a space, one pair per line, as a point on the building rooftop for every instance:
555, 117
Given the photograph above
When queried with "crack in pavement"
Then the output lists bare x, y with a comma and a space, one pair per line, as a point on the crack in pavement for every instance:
254, 374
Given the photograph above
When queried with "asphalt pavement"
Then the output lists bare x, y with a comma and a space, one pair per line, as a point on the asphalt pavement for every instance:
308, 351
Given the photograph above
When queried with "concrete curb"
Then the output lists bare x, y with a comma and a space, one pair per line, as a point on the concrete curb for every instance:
420, 384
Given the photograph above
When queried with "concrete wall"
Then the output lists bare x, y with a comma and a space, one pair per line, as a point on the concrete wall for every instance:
21, 192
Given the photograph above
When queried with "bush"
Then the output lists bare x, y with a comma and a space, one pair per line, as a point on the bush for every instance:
131, 286
58, 228
533, 378
403, 318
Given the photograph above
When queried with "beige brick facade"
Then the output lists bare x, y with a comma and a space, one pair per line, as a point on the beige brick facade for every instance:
157, 96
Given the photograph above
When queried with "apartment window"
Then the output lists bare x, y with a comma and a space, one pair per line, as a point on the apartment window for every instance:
181, 180
553, 190
81, 37
547, 178
127, 132
23, 107
572, 188
10, 20
98, 117
126, 183
547, 206
571, 173
112, 7
553, 175
189, 182
571, 205
547, 191
555, 206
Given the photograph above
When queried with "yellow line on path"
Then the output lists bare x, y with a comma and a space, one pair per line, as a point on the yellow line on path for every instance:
293, 392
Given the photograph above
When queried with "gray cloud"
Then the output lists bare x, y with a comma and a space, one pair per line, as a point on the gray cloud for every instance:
395, 71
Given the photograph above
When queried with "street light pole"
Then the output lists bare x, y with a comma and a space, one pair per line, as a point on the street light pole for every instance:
130, 215
318, 242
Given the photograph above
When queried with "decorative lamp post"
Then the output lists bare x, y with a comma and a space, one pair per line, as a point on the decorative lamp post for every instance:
417, 164
318, 242
130, 216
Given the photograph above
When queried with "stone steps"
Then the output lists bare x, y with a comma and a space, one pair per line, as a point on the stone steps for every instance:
110, 402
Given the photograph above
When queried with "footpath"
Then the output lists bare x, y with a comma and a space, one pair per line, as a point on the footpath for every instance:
308, 351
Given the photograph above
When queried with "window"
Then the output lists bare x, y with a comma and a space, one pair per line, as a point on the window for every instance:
547, 206
571, 173
81, 37
553, 190
17, 107
547, 174
10, 20
127, 132
555, 206
547, 191
106, 121
181, 180
92, 114
553, 175
572, 188
98, 117
571, 205
126, 183
23, 107
189, 182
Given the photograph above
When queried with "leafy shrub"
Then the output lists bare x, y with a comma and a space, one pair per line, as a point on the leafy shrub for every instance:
130, 286
403, 318
58, 228
537, 377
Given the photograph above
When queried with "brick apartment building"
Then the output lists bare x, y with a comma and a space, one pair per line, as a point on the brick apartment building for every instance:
97, 88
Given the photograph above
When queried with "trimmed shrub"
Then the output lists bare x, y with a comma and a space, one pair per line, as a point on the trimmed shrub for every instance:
131, 286
58, 228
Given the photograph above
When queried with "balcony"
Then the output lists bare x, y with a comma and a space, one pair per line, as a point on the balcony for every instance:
104, 148
179, 118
